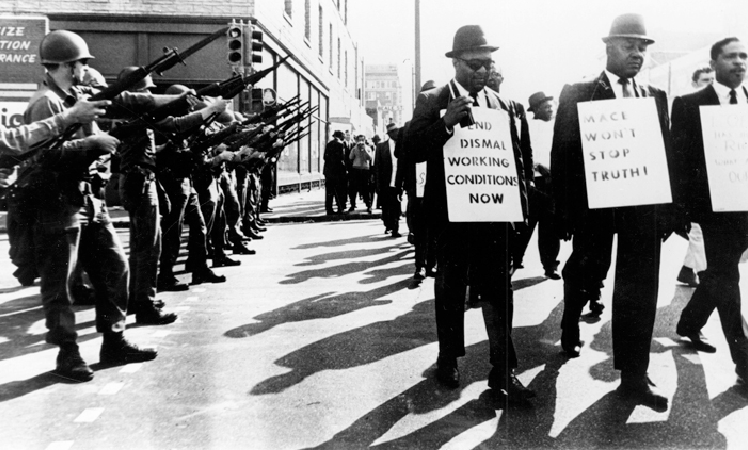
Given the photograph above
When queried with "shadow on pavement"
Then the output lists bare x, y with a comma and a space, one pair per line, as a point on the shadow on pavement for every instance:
338, 242
323, 306
352, 267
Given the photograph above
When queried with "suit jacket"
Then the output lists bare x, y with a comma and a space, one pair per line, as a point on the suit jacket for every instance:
428, 134
567, 163
406, 164
691, 187
383, 165
335, 160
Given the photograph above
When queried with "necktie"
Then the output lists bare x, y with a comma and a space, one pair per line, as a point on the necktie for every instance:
733, 97
626, 86
475, 99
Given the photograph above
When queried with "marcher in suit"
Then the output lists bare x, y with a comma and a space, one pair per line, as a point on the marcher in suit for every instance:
385, 164
334, 170
640, 228
468, 253
725, 233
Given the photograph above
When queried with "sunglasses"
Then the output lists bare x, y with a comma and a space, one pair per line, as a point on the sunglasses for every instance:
476, 64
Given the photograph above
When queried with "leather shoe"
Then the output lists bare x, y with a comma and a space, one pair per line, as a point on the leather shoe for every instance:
242, 250
395, 234
430, 272
447, 372
700, 343
552, 275
119, 351
641, 390
508, 386
420, 273
154, 316
226, 262
207, 276
596, 307
254, 235
570, 341
688, 277
170, 284
71, 366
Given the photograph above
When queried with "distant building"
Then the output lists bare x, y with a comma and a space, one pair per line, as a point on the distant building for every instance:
325, 67
384, 95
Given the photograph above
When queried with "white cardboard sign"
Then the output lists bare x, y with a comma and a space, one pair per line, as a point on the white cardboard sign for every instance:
624, 153
480, 171
725, 133
420, 179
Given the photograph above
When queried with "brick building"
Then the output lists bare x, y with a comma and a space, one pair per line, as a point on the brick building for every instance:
384, 96
325, 67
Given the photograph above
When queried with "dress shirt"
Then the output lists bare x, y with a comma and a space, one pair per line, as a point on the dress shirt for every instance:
616, 86
394, 161
723, 92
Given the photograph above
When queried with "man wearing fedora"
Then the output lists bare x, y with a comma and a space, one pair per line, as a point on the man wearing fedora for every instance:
541, 204
335, 174
468, 253
640, 229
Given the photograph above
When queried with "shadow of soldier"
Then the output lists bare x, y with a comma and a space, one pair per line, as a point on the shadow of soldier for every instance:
323, 306
339, 242
350, 268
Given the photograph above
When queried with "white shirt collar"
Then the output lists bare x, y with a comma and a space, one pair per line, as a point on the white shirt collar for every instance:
461, 91
616, 86
723, 92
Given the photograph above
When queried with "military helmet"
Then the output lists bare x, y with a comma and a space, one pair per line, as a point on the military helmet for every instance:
62, 46
145, 83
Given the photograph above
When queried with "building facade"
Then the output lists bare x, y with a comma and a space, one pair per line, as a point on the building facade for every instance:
384, 95
325, 67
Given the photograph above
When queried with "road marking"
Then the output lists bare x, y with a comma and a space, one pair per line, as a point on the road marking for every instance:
60, 445
111, 388
89, 415
131, 368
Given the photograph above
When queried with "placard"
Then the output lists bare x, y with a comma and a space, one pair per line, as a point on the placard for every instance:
624, 153
420, 179
480, 171
725, 133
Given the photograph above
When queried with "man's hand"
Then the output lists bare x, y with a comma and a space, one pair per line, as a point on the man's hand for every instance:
100, 143
8, 176
217, 106
457, 110
86, 112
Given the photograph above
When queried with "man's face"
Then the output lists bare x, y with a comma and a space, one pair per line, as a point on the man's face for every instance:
392, 133
545, 111
347, 136
626, 56
705, 79
471, 79
729, 67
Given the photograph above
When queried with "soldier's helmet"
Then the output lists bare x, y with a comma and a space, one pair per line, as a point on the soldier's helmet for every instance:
62, 46
145, 83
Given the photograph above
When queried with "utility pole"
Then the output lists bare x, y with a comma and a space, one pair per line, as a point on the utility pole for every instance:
417, 86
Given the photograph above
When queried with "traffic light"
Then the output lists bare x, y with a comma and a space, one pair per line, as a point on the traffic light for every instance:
235, 37
256, 46
252, 99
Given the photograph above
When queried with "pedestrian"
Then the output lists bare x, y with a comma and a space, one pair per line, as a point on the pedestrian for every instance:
541, 202
336, 182
725, 234
360, 157
640, 229
468, 252
385, 165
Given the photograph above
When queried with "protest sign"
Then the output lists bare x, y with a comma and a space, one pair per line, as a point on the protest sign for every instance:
420, 179
624, 153
480, 171
725, 133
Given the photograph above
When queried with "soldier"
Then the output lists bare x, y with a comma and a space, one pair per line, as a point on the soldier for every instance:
73, 224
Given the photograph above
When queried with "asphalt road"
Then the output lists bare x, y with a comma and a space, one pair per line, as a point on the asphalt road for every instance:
322, 340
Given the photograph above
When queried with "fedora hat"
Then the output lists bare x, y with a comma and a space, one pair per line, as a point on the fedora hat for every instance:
537, 99
467, 38
628, 26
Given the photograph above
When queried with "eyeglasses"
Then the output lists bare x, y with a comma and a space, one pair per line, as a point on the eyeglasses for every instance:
476, 64
83, 61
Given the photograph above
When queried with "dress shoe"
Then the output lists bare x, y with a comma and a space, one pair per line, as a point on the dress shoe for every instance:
596, 307
700, 343
71, 366
447, 372
430, 272
368, 210
395, 234
242, 250
266, 209
261, 222
118, 351
207, 276
387, 230
411, 238
552, 275
688, 277
570, 341
331, 213
258, 229
351, 209
420, 273
641, 390
254, 235
518, 266
154, 316
225, 262
170, 284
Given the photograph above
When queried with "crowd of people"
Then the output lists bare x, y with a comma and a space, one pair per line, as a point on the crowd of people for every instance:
179, 158
60, 228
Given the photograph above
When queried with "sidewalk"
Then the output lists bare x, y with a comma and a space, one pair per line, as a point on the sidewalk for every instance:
305, 206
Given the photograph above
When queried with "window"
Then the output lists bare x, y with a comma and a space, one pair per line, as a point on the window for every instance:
308, 19
331, 49
346, 68
371, 96
321, 34
289, 8
338, 57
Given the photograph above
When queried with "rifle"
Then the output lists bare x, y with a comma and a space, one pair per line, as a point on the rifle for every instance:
170, 59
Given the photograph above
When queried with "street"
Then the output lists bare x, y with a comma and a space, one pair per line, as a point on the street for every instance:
323, 340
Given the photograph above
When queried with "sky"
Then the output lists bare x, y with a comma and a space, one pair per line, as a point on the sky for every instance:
544, 44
